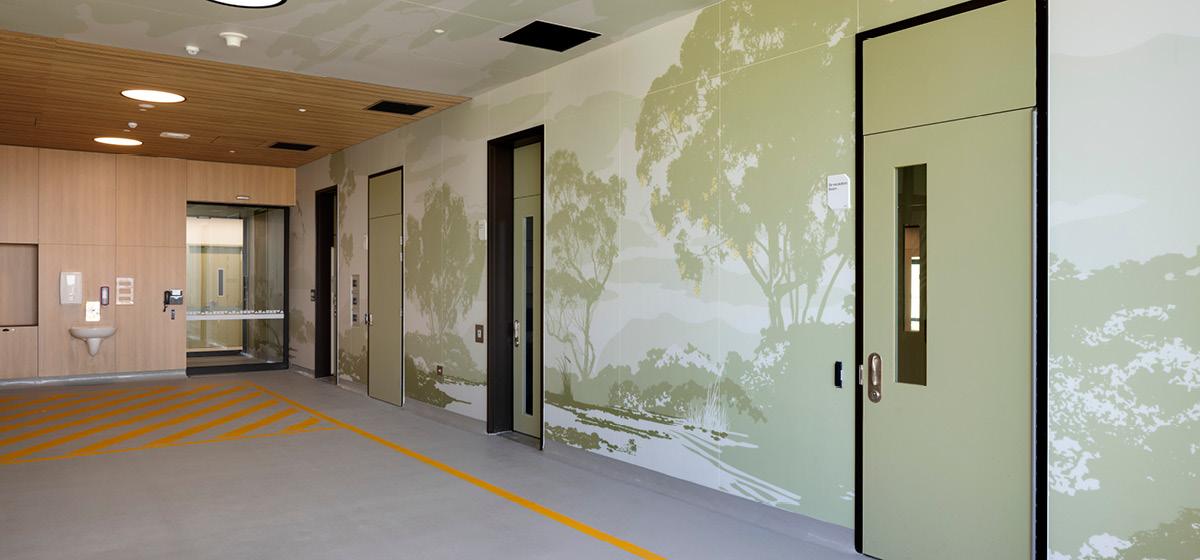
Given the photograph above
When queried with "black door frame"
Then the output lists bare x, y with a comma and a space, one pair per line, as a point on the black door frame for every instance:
1040, 261
500, 277
325, 203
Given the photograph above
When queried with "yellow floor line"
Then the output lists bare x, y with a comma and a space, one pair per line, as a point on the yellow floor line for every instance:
88, 397
81, 421
219, 439
120, 423
301, 426
14, 406
143, 430
521, 501
212, 424
41, 420
260, 423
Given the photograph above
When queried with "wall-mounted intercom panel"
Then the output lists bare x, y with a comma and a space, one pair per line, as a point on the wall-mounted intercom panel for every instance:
70, 288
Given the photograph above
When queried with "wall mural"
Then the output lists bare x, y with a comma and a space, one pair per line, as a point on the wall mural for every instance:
698, 290
1124, 465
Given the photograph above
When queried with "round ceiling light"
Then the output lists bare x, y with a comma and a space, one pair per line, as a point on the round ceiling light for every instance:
249, 3
114, 141
153, 96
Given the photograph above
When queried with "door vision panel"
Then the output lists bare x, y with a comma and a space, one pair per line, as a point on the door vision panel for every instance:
947, 293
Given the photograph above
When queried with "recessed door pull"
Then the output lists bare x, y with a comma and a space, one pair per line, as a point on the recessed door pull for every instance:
874, 378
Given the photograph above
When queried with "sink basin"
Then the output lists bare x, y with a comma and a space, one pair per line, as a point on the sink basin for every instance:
93, 336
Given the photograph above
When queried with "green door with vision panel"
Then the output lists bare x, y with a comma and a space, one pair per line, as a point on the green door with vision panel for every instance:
385, 259
527, 290
947, 292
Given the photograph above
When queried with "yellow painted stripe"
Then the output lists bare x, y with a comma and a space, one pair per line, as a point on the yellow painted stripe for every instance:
211, 424
138, 432
43, 419
300, 426
86, 397
14, 406
81, 421
501, 492
118, 424
219, 439
260, 423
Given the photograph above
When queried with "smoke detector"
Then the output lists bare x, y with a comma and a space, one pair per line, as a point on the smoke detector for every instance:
233, 38
192, 50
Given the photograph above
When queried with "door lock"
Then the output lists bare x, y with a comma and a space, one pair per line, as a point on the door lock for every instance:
874, 378
517, 334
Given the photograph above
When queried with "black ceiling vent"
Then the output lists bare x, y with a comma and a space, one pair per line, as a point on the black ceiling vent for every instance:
397, 108
550, 36
292, 146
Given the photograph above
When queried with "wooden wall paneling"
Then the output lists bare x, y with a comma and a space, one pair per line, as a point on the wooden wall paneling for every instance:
224, 182
19, 346
18, 285
149, 339
58, 352
77, 198
18, 194
151, 201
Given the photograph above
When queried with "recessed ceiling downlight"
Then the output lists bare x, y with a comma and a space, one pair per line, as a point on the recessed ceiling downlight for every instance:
249, 3
153, 96
115, 141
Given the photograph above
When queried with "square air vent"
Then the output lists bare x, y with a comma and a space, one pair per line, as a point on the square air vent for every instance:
397, 108
292, 146
550, 36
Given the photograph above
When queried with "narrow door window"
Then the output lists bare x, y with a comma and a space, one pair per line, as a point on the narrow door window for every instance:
912, 272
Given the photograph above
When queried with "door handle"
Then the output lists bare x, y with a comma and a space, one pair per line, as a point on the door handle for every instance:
874, 378
517, 334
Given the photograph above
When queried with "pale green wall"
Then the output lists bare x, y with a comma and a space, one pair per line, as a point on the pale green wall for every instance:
685, 160
1125, 284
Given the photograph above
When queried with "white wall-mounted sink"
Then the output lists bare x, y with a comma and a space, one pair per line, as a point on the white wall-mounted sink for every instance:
93, 336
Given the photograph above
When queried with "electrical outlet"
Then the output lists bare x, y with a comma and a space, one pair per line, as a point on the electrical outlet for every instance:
439, 370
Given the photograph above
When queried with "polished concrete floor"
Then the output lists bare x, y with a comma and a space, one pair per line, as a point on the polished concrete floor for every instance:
276, 465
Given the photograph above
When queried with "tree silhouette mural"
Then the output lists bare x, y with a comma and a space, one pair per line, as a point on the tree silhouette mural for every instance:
721, 192
444, 260
582, 235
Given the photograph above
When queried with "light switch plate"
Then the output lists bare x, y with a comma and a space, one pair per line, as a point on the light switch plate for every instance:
91, 313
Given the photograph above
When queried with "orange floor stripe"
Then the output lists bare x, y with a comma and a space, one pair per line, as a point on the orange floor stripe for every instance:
81, 421
523, 502
60, 405
14, 406
92, 448
120, 423
301, 426
41, 420
212, 424
260, 423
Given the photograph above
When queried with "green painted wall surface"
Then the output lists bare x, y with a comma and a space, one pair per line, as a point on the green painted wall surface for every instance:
1125, 280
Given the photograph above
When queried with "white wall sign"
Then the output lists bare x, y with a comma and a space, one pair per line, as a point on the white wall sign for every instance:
838, 191
124, 290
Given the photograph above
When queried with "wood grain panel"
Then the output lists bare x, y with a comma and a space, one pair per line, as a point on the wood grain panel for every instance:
58, 352
77, 198
150, 339
18, 285
18, 194
224, 182
66, 93
18, 349
151, 201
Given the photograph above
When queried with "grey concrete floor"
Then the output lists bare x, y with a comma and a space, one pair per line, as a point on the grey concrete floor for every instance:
337, 494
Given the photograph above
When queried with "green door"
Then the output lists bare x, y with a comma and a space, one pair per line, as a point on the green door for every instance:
946, 319
527, 290
385, 257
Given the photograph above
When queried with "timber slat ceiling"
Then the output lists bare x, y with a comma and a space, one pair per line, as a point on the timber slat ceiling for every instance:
56, 93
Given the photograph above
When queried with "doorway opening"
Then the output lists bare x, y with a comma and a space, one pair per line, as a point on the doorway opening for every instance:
324, 294
236, 292
515, 255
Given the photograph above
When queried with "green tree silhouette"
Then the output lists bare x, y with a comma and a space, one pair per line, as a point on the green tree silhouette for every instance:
723, 196
444, 260
582, 234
